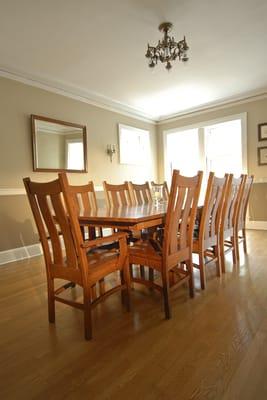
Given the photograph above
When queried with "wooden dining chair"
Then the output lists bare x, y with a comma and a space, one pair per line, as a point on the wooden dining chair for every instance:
230, 215
140, 193
165, 189
240, 231
117, 195
79, 263
172, 258
206, 238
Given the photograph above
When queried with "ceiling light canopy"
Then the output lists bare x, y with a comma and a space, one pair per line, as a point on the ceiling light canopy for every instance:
167, 49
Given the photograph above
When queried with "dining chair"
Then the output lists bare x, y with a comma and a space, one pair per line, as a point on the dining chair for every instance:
117, 195
206, 238
140, 193
80, 262
241, 224
230, 215
172, 258
165, 189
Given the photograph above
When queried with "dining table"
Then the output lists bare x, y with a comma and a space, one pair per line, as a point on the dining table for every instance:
132, 218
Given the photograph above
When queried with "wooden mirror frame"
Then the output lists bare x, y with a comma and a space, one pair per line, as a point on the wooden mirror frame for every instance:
35, 118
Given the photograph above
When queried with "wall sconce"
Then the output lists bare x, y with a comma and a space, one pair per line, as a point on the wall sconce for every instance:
111, 150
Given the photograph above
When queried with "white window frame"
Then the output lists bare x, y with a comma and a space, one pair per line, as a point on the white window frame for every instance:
202, 125
139, 132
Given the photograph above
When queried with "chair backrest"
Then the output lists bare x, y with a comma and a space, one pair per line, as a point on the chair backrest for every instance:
181, 213
140, 193
84, 196
232, 199
165, 189
213, 207
117, 195
244, 201
55, 217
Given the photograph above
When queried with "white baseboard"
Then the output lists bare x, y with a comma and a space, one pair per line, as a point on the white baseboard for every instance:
20, 253
260, 225
33, 250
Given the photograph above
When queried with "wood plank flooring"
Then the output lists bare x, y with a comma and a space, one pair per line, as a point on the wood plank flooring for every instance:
214, 347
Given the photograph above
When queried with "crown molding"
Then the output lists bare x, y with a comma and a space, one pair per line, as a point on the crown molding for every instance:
214, 106
114, 106
77, 94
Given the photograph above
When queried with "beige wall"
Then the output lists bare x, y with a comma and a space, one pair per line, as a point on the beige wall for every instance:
256, 114
17, 103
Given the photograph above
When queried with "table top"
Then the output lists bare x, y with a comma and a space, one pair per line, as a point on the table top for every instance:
124, 214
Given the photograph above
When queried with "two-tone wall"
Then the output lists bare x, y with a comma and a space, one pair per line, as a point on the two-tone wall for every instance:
17, 102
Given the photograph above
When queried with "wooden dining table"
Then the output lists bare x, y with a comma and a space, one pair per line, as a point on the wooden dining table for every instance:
125, 217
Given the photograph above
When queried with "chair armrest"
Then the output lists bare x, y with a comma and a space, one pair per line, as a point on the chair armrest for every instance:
106, 239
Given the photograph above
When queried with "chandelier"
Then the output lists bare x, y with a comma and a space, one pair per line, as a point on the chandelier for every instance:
167, 49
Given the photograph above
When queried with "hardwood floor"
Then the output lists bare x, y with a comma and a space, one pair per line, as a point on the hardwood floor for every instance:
214, 347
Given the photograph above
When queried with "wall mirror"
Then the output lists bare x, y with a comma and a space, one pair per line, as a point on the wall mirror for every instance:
58, 145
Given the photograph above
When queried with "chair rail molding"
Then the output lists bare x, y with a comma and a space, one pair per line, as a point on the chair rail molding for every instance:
21, 191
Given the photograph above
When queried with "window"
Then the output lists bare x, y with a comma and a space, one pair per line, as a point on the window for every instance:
134, 145
183, 151
75, 157
218, 146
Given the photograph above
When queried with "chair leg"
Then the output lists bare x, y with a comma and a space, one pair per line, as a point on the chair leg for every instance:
190, 269
51, 301
234, 249
151, 274
126, 293
244, 240
166, 297
218, 260
222, 256
87, 314
142, 272
202, 270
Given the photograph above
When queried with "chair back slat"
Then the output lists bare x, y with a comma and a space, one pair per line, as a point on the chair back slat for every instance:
165, 189
232, 201
64, 224
181, 212
141, 193
213, 205
117, 195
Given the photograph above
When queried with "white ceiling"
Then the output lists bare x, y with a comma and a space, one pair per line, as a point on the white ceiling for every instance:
95, 48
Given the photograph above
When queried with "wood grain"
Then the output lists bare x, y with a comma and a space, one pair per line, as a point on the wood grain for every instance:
214, 347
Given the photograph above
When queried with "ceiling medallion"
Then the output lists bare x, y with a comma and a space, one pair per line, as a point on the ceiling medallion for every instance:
167, 49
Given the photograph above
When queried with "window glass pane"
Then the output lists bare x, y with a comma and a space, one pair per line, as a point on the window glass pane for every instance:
134, 146
75, 155
224, 148
183, 152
